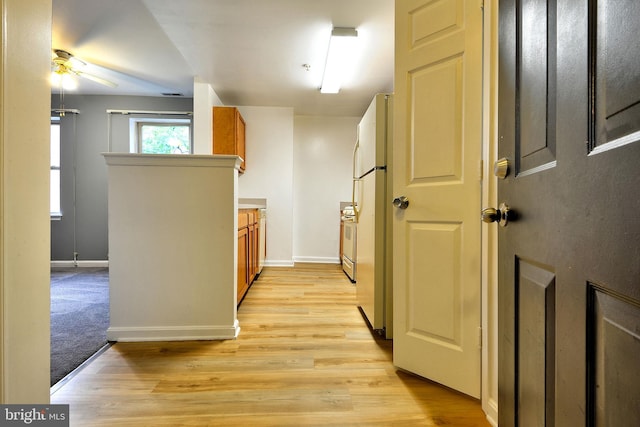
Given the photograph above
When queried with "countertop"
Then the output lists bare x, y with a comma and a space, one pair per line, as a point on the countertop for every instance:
252, 203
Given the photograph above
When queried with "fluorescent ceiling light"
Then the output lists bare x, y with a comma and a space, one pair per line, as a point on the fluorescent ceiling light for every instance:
341, 48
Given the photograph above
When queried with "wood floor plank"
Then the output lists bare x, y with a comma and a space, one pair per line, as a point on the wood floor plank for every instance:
304, 357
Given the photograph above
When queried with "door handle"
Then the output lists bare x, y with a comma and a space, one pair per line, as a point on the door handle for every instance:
502, 215
401, 202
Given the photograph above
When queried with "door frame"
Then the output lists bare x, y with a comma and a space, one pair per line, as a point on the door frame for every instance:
489, 232
24, 221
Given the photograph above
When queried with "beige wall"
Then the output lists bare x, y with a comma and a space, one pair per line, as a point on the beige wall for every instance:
24, 201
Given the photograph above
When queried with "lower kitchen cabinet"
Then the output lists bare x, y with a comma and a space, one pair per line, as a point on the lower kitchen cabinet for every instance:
243, 255
248, 249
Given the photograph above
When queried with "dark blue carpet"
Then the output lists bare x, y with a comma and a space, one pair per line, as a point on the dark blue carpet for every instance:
79, 317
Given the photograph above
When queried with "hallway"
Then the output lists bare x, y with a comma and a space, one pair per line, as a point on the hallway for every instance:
304, 357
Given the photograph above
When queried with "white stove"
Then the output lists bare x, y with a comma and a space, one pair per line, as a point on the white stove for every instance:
349, 243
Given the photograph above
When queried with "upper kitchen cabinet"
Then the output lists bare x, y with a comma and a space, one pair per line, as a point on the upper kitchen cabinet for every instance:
229, 133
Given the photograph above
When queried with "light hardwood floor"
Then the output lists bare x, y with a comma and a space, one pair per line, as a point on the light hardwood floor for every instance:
304, 357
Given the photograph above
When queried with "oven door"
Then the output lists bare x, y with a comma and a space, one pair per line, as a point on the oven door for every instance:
349, 249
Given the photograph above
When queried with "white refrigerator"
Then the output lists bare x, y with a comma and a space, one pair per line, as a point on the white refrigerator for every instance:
371, 198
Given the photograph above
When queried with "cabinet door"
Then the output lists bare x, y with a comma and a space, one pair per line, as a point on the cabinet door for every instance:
253, 244
224, 130
251, 250
243, 262
229, 133
240, 140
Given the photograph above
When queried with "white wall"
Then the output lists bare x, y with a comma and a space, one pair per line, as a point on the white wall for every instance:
204, 97
323, 152
302, 166
269, 175
24, 201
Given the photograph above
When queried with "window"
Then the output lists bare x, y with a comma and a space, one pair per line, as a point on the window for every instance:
162, 136
54, 197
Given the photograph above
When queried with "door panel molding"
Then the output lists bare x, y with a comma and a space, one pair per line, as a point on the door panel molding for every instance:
613, 345
435, 252
437, 154
435, 20
535, 319
614, 53
535, 68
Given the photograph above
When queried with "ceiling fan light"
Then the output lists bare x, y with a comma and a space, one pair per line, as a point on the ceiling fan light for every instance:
55, 79
69, 82
64, 80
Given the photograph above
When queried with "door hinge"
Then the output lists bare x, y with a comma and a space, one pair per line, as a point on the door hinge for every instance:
482, 4
481, 170
479, 336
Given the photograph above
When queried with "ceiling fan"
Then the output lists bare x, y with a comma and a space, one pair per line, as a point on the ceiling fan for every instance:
65, 64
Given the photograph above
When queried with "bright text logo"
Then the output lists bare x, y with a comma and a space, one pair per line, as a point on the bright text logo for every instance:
34, 415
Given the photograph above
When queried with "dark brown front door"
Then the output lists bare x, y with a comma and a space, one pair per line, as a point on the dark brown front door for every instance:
569, 280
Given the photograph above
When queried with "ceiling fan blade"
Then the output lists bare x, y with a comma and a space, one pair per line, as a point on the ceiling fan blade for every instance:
95, 78
64, 62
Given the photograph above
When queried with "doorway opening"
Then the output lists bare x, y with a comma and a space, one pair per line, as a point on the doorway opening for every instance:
79, 317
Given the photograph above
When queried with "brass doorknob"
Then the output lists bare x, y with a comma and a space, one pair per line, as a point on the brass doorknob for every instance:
502, 215
401, 202
501, 168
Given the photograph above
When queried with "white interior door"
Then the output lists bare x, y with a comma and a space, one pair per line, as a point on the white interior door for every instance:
437, 164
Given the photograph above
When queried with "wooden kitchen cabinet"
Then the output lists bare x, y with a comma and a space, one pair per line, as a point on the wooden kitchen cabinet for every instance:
248, 249
243, 253
229, 133
253, 244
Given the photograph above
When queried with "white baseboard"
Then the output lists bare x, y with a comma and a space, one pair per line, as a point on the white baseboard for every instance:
172, 333
491, 411
278, 263
316, 260
71, 263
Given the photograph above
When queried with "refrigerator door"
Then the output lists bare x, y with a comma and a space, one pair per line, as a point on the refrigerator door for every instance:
372, 213
372, 139
371, 244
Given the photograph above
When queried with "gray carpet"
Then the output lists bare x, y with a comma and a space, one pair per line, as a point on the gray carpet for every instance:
79, 317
